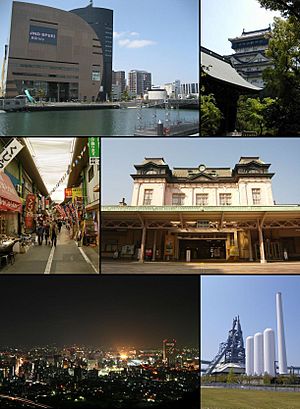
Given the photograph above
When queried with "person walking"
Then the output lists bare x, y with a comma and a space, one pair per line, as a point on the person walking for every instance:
59, 224
40, 233
53, 233
47, 232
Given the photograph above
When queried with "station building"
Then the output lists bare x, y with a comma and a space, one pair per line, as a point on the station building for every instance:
216, 213
56, 55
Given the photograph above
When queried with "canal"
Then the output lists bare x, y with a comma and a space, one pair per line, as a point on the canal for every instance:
107, 122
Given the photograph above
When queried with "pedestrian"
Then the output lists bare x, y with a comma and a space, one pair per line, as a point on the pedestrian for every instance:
59, 224
40, 233
53, 233
47, 232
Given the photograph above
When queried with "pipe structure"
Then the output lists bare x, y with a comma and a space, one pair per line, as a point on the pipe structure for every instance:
250, 356
258, 354
282, 362
269, 352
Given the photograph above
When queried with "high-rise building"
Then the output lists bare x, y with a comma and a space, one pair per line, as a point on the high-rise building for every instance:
139, 82
101, 20
250, 58
189, 89
172, 88
118, 78
169, 352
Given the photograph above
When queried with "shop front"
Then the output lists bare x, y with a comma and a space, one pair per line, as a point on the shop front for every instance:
166, 233
10, 207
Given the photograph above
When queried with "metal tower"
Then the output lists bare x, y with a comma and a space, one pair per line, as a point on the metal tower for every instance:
232, 351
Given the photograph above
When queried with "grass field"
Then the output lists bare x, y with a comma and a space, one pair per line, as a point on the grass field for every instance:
248, 399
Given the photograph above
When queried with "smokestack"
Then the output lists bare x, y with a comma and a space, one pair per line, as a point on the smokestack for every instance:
249, 356
280, 336
269, 351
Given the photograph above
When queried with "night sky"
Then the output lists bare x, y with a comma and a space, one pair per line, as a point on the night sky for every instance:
105, 311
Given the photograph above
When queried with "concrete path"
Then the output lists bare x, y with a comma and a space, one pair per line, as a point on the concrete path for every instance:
123, 267
66, 258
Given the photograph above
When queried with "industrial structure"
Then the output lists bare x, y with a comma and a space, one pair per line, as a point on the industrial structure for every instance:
260, 356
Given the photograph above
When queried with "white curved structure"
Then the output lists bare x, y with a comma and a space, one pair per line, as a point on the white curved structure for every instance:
258, 354
249, 356
269, 351
282, 362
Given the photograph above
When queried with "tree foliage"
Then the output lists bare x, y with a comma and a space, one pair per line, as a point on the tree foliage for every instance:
286, 7
253, 114
283, 79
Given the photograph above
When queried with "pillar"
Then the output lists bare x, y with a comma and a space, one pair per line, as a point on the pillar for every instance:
143, 242
154, 245
250, 245
261, 244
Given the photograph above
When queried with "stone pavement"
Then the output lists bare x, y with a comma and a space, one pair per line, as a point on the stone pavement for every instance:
125, 267
67, 259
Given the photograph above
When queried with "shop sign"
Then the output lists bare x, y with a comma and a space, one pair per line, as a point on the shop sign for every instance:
47, 202
203, 224
76, 192
44, 35
68, 193
169, 245
9, 152
94, 151
30, 207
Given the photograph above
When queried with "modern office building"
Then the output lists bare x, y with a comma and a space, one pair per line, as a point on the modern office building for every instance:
212, 213
172, 88
56, 54
189, 89
139, 82
250, 58
118, 78
101, 20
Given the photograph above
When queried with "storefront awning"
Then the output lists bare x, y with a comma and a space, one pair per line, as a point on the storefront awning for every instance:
9, 199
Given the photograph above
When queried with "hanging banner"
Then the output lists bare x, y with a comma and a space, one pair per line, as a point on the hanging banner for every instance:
76, 192
30, 208
8, 153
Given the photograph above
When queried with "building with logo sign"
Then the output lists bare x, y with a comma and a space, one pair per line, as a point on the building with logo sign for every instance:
202, 213
56, 55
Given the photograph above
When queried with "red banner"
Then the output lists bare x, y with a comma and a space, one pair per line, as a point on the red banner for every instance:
30, 207
68, 193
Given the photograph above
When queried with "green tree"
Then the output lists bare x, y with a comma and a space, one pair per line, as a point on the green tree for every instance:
286, 7
210, 115
125, 96
231, 377
253, 114
267, 379
283, 79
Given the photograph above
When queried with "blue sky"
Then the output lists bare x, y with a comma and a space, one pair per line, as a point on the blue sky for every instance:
119, 155
253, 299
161, 37
219, 25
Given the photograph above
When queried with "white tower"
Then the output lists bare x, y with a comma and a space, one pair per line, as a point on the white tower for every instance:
258, 354
280, 336
269, 352
249, 356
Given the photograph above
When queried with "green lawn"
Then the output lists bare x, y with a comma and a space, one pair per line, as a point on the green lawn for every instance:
248, 399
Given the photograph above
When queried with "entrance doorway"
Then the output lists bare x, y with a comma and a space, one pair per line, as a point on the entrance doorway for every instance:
60, 91
203, 249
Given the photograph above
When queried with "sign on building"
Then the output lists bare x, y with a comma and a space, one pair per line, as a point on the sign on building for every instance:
76, 192
30, 208
44, 35
94, 150
10, 152
203, 224
68, 193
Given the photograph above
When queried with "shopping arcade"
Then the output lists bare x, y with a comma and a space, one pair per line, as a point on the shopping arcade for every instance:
249, 233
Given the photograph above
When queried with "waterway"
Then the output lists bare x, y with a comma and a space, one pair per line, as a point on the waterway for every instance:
107, 122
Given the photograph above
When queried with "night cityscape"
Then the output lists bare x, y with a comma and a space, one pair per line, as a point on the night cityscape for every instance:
131, 350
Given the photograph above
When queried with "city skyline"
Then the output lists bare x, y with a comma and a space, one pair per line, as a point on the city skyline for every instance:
141, 44
238, 15
110, 312
119, 156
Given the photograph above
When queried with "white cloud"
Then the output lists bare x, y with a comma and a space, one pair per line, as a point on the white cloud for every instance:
117, 34
135, 43
134, 33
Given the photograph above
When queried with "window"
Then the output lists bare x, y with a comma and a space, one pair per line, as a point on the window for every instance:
202, 199
256, 196
225, 199
148, 193
96, 76
178, 199
91, 173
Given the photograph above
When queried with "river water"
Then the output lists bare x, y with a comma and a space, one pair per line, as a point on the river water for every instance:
106, 122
